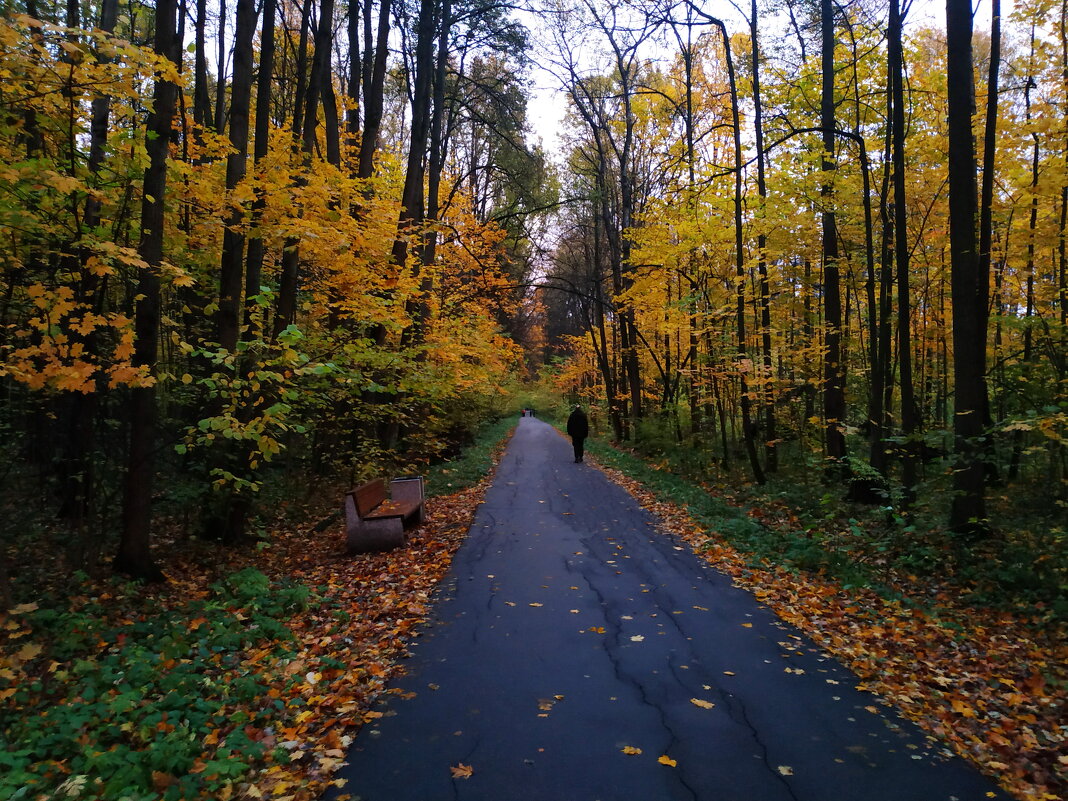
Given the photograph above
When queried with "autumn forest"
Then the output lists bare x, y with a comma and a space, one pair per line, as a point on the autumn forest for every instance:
808, 251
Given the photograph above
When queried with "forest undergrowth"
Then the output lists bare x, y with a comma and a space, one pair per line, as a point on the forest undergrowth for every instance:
982, 667
245, 675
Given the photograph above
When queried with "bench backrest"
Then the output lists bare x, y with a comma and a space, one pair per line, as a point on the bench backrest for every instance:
369, 495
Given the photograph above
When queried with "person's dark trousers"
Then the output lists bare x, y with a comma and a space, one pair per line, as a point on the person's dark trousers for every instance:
578, 443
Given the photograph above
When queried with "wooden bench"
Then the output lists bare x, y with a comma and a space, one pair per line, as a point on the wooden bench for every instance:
374, 522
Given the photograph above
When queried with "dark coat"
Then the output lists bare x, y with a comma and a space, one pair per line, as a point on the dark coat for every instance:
578, 427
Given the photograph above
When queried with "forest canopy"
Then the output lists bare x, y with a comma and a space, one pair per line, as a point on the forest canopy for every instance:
231, 255
250, 243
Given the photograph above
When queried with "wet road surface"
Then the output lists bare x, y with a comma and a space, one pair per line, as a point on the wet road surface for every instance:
570, 629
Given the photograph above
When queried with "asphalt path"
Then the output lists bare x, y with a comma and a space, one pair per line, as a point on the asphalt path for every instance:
570, 629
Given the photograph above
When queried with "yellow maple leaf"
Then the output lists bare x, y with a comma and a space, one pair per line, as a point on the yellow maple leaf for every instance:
29, 651
631, 750
666, 760
962, 708
461, 771
701, 703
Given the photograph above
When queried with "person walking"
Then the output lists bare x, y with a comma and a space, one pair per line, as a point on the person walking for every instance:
578, 428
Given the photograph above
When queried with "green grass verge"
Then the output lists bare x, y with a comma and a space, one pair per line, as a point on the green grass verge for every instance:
473, 464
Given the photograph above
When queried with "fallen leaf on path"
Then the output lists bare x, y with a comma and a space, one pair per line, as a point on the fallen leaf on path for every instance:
461, 771
534, 604
922, 659
637, 638
701, 703
786, 770
666, 760
631, 750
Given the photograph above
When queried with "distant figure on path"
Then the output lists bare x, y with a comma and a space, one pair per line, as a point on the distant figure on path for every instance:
578, 428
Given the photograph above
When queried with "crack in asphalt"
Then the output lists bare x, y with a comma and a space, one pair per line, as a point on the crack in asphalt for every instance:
774, 772
613, 649
544, 524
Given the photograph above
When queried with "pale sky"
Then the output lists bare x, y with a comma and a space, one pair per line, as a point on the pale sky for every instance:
547, 104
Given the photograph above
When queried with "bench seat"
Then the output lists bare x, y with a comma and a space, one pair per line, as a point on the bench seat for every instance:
389, 508
374, 522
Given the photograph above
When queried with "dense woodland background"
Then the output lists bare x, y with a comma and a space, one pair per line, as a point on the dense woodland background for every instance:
803, 261
250, 248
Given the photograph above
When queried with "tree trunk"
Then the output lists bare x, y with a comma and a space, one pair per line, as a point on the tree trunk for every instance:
331, 120
986, 210
1029, 269
289, 273
748, 428
202, 116
220, 72
254, 266
968, 286
352, 115
834, 407
909, 415
79, 475
770, 433
231, 270
374, 93
412, 200
134, 556
437, 142
879, 311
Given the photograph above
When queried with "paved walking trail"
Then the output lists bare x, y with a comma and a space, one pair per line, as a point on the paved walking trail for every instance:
570, 629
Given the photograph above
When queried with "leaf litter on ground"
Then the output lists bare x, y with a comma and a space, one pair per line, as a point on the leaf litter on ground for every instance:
309, 685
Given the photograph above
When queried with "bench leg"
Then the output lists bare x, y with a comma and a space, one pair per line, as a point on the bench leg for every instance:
375, 535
